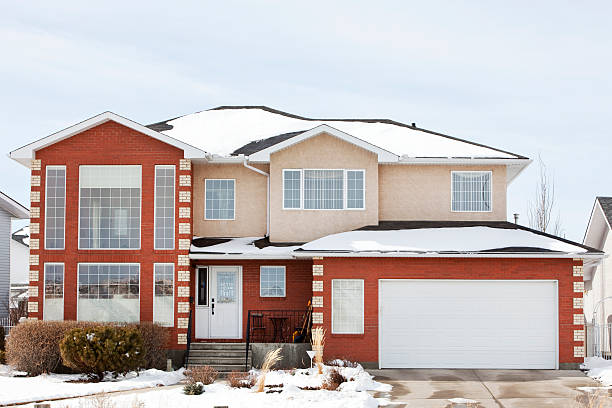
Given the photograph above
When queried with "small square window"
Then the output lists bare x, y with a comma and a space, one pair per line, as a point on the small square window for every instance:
272, 281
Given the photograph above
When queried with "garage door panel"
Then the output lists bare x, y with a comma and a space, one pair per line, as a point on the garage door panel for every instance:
468, 324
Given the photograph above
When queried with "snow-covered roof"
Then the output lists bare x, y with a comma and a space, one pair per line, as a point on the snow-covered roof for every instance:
441, 240
406, 239
223, 130
240, 247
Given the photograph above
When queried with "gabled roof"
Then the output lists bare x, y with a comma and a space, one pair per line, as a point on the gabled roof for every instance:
26, 153
13, 207
600, 222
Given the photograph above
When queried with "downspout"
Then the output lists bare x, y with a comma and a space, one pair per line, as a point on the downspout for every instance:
256, 170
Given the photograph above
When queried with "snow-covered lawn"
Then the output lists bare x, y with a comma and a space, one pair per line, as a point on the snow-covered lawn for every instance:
599, 369
352, 394
14, 390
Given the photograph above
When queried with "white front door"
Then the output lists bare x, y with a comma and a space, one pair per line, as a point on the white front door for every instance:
219, 311
468, 324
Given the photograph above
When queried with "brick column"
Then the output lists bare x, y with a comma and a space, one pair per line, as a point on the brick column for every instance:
36, 288
578, 312
183, 271
317, 292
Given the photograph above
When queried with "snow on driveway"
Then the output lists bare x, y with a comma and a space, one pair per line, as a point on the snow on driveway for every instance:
599, 369
15, 390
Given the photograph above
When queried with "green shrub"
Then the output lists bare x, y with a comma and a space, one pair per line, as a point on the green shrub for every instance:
193, 389
33, 345
96, 350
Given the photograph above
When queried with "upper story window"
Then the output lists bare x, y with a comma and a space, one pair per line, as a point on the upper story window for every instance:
164, 207
219, 203
471, 191
55, 212
322, 189
109, 210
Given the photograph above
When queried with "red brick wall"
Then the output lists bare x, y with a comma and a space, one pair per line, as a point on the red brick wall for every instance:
364, 347
298, 275
107, 144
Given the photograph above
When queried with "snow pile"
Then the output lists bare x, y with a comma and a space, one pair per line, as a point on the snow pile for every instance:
599, 369
15, 390
223, 131
422, 240
244, 246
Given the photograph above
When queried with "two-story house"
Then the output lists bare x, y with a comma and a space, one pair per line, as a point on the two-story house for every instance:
242, 215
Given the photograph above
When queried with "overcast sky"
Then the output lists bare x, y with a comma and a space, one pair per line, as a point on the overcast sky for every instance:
528, 77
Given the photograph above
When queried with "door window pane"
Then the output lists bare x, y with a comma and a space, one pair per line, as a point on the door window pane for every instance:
226, 287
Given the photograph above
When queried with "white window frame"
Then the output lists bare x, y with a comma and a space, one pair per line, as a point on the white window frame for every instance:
219, 219
45, 287
165, 166
344, 191
284, 281
301, 189
490, 192
46, 205
173, 291
362, 307
111, 263
79, 212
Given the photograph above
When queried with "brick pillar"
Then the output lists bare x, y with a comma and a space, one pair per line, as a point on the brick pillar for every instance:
578, 312
317, 292
182, 275
35, 291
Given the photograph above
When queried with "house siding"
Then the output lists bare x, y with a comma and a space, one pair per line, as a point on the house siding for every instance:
109, 144
5, 268
364, 347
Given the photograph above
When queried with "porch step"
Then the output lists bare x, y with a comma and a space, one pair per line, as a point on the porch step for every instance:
223, 357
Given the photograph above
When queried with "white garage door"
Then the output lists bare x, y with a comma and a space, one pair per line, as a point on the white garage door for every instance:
467, 324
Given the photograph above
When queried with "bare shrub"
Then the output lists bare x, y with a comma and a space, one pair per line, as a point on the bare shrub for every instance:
154, 342
318, 342
272, 357
237, 379
203, 374
333, 380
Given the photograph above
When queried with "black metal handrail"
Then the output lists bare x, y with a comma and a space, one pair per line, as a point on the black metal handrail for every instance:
275, 326
188, 334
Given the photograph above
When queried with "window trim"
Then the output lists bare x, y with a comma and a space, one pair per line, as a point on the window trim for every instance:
46, 205
110, 263
219, 219
452, 190
45, 284
362, 307
173, 292
79, 211
344, 191
284, 295
301, 171
166, 166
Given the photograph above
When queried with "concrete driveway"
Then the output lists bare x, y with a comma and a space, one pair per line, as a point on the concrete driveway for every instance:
491, 388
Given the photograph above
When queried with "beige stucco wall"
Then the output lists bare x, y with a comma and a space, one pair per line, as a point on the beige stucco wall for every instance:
320, 152
423, 192
250, 201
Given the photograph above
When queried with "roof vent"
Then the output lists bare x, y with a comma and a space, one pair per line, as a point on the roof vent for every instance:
413, 124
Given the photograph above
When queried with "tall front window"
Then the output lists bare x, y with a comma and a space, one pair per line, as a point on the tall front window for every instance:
471, 191
347, 306
109, 211
320, 189
163, 294
219, 199
54, 292
164, 207
55, 212
109, 292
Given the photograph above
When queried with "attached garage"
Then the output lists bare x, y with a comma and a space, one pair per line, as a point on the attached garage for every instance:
510, 324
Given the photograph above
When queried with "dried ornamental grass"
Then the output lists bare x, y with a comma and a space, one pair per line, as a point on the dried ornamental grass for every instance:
318, 342
202, 374
272, 357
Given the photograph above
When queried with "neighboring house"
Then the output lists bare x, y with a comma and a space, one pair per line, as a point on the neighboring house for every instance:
242, 215
20, 267
9, 210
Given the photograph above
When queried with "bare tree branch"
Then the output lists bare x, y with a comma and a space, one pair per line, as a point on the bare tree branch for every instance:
542, 208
